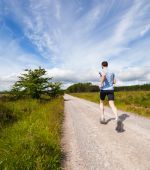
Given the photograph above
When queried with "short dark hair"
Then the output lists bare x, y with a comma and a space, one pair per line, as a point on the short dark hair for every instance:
104, 63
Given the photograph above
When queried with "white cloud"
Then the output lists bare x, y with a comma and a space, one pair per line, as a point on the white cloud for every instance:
72, 76
58, 74
134, 74
74, 38
13, 59
6, 81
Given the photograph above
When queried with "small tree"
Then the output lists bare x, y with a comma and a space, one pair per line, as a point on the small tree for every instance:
32, 83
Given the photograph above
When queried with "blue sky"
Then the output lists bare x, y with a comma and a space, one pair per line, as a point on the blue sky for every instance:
70, 38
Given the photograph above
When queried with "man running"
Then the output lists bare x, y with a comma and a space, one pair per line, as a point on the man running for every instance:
107, 80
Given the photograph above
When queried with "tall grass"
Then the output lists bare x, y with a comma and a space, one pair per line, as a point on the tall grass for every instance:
132, 101
32, 139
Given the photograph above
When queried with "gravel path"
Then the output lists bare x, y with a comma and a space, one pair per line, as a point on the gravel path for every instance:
89, 145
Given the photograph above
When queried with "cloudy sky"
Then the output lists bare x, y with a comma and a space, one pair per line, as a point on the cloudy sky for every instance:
70, 38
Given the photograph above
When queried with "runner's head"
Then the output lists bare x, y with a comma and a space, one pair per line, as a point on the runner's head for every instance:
104, 64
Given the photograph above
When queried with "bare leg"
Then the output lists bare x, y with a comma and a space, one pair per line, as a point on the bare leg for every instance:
102, 109
113, 107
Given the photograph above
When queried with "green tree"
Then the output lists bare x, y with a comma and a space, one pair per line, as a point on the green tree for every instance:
32, 83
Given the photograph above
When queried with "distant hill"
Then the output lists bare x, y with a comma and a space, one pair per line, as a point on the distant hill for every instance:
89, 87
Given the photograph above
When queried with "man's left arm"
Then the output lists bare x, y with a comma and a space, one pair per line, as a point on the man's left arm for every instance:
114, 80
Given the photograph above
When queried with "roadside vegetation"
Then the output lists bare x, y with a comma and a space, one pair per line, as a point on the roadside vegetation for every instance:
31, 117
134, 98
137, 102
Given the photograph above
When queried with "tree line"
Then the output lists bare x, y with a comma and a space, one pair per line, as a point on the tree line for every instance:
89, 87
144, 87
82, 87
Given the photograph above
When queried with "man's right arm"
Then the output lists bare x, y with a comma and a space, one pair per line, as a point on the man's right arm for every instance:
102, 79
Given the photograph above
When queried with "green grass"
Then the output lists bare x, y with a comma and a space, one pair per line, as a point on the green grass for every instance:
30, 134
133, 101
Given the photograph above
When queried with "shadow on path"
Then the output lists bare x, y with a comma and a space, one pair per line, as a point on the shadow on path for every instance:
109, 120
120, 124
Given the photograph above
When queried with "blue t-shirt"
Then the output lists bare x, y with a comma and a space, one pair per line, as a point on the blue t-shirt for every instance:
109, 81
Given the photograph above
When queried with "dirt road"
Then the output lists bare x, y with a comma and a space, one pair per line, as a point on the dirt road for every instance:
89, 145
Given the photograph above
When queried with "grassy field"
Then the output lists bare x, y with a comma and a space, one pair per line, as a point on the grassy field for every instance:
30, 133
133, 101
